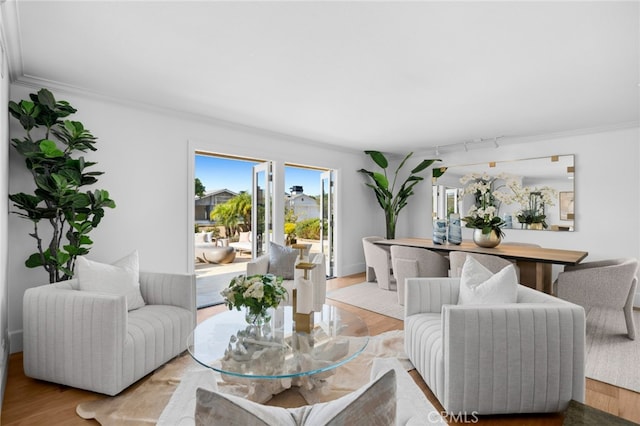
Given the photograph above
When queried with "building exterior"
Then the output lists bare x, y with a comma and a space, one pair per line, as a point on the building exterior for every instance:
304, 207
205, 204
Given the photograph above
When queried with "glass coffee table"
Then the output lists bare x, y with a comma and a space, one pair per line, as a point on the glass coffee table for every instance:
248, 354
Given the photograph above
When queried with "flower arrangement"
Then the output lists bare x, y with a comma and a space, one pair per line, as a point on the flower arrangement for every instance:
533, 202
256, 292
484, 213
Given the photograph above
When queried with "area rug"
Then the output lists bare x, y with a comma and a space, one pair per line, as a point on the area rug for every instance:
144, 402
208, 288
611, 356
369, 296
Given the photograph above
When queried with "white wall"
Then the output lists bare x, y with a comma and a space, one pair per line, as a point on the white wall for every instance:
146, 159
4, 205
607, 197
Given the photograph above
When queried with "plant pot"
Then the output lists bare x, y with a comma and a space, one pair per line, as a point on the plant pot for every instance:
537, 226
489, 240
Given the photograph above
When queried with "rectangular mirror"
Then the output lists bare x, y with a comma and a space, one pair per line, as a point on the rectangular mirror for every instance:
535, 193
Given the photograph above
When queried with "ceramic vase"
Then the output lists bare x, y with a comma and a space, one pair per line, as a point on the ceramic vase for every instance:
439, 231
455, 229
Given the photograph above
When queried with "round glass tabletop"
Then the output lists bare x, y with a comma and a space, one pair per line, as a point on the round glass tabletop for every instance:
227, 344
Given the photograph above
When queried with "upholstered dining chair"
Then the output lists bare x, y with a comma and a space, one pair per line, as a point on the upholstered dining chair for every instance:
607, 283
492, 263
412, 262
378, 263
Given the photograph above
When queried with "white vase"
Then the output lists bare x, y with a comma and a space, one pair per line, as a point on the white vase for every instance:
486, 240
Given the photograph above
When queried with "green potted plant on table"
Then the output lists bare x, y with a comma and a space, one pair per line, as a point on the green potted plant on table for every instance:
50, 149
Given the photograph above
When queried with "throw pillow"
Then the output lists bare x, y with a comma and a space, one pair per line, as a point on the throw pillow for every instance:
479, 286
282, 261
372, 404
120, 277
244, 237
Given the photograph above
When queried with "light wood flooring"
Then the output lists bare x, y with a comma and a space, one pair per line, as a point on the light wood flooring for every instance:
33, 402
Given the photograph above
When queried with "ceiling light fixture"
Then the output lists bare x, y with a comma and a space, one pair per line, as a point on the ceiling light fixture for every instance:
466, 148
495, 142
437, 150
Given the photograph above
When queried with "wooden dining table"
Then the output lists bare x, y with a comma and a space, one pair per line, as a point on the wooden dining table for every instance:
534, 262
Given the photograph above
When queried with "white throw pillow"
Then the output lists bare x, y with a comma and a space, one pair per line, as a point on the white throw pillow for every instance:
282, 261
121, 277
479, 286
372, 404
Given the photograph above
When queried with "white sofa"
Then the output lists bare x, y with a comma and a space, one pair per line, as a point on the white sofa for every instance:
524, 357
318, 277
89, 341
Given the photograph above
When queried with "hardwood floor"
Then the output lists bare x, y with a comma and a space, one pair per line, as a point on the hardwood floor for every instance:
33, 402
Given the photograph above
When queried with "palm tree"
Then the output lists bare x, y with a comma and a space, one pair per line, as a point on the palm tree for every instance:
240, 205
224, 214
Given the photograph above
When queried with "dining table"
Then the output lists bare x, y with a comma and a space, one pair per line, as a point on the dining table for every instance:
534, 261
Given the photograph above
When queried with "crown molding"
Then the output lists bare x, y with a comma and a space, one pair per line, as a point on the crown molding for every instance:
32, 82
11, 35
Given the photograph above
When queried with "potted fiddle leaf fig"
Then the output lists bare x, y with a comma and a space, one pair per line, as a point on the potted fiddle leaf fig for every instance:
393, 202
50, 149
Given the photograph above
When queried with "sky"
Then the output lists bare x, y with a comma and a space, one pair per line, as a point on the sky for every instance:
220, 173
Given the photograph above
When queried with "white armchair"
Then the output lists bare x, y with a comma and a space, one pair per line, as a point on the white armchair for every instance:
317, 276
89, 341
524, 357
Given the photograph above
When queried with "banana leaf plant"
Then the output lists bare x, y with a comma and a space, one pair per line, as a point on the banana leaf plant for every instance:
393, 202
50, 149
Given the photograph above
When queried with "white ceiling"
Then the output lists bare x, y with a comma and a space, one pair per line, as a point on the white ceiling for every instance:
392, 76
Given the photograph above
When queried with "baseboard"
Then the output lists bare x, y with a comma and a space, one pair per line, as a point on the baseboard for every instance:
357, 268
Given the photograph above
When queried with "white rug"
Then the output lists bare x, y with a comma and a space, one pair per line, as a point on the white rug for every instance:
611, 356
369, 296
208, 288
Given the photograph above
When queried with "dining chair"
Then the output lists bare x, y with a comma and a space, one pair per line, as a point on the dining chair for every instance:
378, 263
491, 262
608, 284
412, 262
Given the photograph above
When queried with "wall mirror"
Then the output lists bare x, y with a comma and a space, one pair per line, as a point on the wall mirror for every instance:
536, 193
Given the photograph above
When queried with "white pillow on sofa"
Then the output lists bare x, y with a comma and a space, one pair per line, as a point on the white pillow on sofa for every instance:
479, 286
120, 277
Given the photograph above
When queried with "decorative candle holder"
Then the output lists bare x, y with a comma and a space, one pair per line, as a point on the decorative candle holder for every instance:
303, 320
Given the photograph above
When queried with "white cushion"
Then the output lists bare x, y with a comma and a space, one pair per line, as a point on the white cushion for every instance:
120, 277
244, 237
479, 286
374, 403
282, 261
